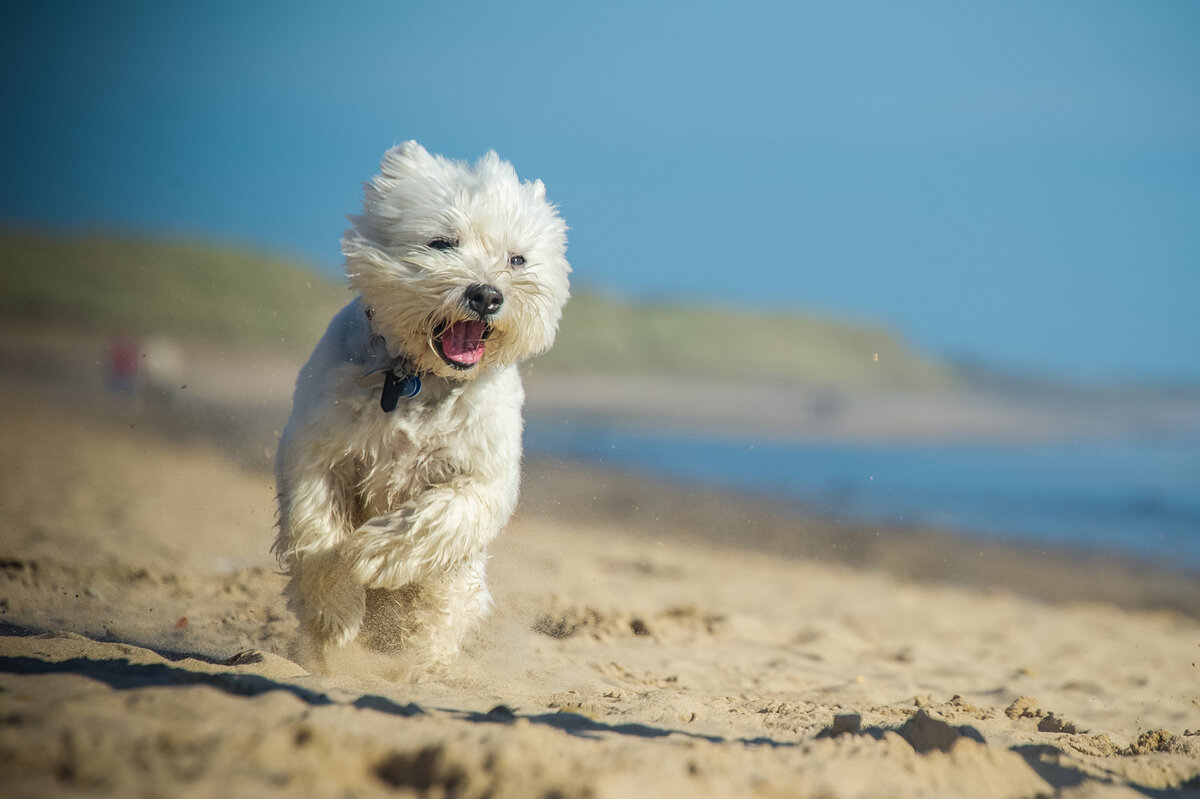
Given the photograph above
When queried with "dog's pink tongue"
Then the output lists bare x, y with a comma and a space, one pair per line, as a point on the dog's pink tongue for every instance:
463, 342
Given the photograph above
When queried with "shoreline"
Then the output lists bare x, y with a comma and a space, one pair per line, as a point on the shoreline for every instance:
773, 526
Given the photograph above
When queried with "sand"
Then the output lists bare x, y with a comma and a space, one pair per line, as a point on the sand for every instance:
648, 641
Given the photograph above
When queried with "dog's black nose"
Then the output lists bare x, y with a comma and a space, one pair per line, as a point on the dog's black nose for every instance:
483, 299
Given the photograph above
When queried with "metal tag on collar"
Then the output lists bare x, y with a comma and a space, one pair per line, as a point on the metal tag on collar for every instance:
396, 386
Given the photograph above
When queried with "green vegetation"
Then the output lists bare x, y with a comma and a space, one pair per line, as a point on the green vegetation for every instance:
602, 334
202, 292
191, 290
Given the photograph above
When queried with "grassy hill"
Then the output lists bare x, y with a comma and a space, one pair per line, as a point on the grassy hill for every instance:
599, 333
203, 292
191, 290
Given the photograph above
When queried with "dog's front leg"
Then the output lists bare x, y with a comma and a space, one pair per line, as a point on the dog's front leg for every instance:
314, 518
327, 598
435, 548
428, 536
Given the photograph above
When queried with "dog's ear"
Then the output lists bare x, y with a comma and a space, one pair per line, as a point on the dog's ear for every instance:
539, 190
405, 159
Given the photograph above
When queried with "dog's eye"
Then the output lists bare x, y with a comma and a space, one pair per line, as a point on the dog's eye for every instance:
516, 261
443, 244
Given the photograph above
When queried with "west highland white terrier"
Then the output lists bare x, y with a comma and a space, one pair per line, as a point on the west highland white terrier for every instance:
401, 460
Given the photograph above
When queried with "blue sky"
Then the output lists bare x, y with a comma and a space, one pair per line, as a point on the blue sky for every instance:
1018, 183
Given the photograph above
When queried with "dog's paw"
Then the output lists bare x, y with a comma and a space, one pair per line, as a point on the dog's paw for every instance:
344, 612
339, 626
334, 608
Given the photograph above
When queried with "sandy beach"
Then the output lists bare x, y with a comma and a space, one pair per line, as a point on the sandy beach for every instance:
648, 640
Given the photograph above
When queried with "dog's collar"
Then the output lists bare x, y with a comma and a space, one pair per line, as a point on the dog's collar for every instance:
396, 375
397, 380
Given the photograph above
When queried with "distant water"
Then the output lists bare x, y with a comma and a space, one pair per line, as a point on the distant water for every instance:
1139, 496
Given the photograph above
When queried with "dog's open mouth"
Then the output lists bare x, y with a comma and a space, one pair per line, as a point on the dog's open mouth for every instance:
461, 344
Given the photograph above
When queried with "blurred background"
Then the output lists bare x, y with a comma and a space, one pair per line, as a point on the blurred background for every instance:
926, 265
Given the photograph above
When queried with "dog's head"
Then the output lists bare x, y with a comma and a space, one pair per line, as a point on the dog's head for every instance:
463, 266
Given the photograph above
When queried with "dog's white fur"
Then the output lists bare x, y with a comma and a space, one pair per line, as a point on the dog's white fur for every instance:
385, 517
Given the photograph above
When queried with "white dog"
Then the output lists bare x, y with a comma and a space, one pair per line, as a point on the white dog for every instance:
401, 459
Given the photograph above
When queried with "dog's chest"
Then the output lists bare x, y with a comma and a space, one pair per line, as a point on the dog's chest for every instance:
410, 449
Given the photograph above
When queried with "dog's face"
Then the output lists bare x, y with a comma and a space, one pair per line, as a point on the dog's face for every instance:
463, 266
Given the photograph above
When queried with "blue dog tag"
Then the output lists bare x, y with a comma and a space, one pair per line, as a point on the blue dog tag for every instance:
396, 386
